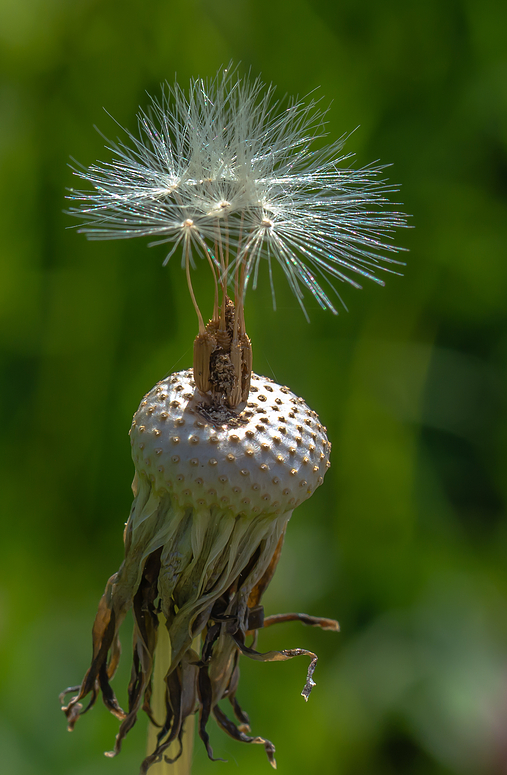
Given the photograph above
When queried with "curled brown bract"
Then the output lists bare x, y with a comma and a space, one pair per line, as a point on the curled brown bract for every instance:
211, 592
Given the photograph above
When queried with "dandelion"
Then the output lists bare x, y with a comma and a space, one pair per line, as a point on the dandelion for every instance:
222, 456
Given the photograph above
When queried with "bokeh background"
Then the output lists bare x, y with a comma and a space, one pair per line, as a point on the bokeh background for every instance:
406, 542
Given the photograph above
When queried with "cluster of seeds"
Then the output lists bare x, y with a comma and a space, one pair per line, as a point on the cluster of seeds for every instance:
266, 458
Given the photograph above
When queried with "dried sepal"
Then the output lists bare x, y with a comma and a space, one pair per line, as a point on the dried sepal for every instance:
226, 612
330, 625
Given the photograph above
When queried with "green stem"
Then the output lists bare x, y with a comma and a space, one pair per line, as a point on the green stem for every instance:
183, 765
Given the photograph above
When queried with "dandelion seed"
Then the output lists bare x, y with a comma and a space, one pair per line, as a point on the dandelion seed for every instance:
244, 169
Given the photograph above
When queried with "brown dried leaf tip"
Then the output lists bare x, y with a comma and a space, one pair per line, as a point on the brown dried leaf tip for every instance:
215, 487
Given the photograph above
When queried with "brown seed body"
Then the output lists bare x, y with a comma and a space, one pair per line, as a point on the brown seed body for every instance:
204, 345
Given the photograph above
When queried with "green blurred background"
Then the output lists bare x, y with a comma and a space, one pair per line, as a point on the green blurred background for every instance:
406, 542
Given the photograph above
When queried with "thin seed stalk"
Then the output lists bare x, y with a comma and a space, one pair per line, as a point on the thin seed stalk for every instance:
183, 765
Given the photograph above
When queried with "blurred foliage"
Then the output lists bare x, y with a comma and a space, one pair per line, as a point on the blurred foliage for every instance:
406, 542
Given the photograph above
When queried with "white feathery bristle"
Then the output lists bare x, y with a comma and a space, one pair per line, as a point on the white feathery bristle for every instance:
241, 167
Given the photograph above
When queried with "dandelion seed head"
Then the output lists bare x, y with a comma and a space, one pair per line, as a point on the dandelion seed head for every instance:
239, 168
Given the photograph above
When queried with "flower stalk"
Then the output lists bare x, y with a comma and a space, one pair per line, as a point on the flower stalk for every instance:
178, 758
